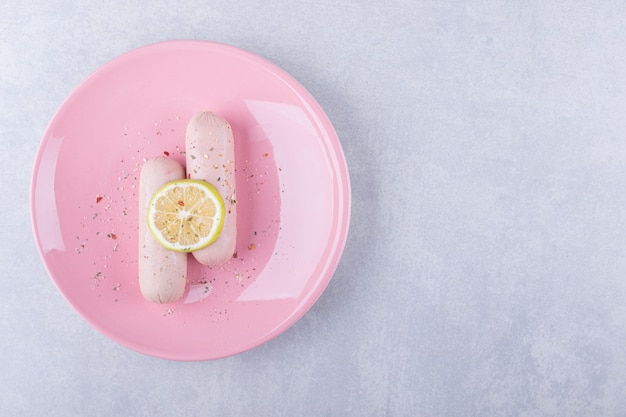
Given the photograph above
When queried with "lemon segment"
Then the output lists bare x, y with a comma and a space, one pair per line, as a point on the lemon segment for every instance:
186, 215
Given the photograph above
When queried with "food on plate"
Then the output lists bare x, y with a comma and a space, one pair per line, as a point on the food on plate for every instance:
210, 156
186, 215
162, 272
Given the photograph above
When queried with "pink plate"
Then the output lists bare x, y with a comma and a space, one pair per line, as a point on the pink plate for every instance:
293, 198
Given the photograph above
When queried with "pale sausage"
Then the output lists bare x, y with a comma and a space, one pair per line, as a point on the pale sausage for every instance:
210, 156
162, 272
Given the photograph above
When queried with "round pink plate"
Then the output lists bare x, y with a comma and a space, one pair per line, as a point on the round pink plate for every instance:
293, 197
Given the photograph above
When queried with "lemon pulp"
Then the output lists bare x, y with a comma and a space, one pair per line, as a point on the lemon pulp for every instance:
186, 215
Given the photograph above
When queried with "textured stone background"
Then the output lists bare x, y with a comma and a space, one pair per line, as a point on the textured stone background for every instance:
485, 271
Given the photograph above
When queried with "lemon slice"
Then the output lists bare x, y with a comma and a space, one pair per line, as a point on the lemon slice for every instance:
186, 215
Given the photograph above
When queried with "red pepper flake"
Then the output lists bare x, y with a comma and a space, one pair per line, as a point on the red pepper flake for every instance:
98, 199
181, 203
166, 153
265, 155
235, 255
251, 246
112, 236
